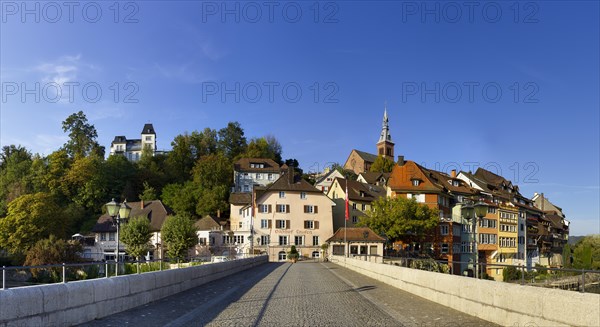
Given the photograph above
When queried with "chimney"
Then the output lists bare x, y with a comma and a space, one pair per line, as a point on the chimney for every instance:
543, 202
142, 204
290, 174
400, 160
453, 173
218, 213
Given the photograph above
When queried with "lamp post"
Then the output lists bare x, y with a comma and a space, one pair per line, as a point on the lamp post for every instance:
118, 213
480, 211
471, 212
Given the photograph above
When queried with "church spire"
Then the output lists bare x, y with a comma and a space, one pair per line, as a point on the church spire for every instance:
385, 145
385, 128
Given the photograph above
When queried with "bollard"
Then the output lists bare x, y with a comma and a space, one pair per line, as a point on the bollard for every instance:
106, 269
64, 273
3, 277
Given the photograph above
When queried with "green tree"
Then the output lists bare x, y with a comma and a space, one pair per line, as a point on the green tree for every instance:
149, 193
232, 141
264, 147
179, 234
586, 254
136, 235
182, 198
566, 255
86, 182
400, 219
30, 218
211, 201
15, 167
82, 136
213, 170
119, 177
382, 165
52, 250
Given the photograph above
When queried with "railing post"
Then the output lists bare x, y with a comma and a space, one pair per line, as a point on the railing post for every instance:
105, 269
138, 266
583, 281
160, 261
64, 273
3, 277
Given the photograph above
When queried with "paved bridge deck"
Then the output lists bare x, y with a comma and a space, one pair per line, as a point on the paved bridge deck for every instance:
285, 294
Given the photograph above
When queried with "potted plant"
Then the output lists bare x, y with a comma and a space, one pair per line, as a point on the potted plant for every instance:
293, 254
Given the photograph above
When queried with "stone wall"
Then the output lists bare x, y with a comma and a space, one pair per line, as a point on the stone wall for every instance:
501, 303
81, 301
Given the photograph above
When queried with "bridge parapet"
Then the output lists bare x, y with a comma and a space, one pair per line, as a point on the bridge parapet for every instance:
81, 301
505, 304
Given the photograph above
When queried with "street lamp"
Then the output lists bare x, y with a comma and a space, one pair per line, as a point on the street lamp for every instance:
118, 212
481, 210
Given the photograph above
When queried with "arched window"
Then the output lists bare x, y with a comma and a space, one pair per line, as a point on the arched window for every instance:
282, 256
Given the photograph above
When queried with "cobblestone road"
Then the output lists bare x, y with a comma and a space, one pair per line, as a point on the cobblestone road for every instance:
284, 294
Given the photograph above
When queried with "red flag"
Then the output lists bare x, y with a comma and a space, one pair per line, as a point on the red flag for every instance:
347, 211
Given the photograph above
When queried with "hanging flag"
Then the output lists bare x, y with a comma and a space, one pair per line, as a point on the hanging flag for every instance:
347, 211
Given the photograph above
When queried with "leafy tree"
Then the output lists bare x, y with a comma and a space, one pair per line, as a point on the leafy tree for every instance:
49, 251
136, 235
58, 164
182, 198
53, 250
264, 147
213, 170
82, 136
119, 176
15, 167
382, 165
86, 183
149, 193
31, 217
400, 218
179, 234
566, 255
232, 141
211, 201
586, 254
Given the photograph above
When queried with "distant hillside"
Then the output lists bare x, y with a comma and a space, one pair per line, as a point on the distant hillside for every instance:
574, 239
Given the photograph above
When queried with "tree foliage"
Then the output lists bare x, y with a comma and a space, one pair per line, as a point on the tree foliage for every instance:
264, 147
232, 141
136, 235
179, 234
400, 218
586, 254
382, 165
30, 218
82, 136
52, 250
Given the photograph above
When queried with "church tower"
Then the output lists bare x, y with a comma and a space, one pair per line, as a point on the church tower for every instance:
385, 146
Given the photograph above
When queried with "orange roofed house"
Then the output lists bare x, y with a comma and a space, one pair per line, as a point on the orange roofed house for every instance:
438, 191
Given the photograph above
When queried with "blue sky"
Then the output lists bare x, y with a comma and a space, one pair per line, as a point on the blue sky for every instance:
511, 86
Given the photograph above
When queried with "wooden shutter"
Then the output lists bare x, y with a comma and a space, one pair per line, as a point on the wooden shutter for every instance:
305, 209
287, 224
270, 224
316, 209
316, 224
287, 208
305, 224
269, 209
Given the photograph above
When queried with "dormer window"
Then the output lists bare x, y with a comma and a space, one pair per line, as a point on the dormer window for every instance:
416, 182
362, 194
455, 183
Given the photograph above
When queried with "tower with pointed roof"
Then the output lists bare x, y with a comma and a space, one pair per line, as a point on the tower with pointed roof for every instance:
385, 145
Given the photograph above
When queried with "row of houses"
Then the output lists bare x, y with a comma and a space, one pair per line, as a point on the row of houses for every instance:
272, 209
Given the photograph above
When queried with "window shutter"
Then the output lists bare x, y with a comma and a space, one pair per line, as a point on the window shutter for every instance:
305, 224
287, 224
316, 224
305, 209
287, 208
316, 209
269, 208
270, 224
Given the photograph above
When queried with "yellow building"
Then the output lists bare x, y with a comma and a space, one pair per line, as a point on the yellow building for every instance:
360, 196
508, 224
